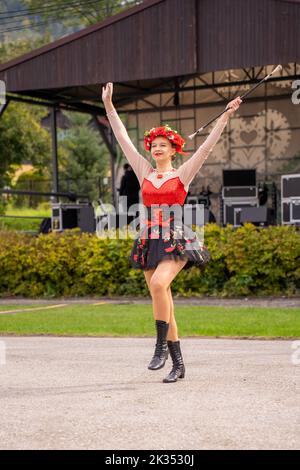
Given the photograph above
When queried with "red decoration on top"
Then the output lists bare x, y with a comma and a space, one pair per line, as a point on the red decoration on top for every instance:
170, 192
168, 133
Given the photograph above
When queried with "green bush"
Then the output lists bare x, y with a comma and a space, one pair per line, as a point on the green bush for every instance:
246, 261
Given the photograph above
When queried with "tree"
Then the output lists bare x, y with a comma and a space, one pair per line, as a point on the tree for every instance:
83, 159
21, 136
22, 139
79, 13
40, 21
11, 49
18, 31
32, 180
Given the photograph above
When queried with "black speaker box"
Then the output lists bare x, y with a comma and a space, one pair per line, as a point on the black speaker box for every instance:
245, 177
257, 215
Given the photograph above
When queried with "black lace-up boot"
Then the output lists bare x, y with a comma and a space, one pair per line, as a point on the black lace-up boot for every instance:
161, 347
178, 369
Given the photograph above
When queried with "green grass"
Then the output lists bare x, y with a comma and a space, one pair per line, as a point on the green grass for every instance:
24, 224
137, 320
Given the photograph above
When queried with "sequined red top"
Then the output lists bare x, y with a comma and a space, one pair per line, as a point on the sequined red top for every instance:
172, 187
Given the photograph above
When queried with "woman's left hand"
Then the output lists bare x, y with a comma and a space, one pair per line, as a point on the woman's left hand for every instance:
233, 105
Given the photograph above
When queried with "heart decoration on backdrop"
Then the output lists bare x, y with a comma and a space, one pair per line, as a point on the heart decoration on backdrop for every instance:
249, 140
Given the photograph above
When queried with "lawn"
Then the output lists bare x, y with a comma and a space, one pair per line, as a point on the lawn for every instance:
24, 224
137, 320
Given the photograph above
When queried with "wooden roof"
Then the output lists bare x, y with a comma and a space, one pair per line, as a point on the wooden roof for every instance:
147, 46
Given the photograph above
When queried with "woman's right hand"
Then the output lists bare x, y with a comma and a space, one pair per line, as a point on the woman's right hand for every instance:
233, 105
107, 92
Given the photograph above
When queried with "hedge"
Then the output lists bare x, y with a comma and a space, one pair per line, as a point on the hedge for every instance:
246, 261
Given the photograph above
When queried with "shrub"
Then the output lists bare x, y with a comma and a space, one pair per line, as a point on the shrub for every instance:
245, 261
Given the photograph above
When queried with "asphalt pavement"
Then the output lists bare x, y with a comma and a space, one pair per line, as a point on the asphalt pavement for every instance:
97, 393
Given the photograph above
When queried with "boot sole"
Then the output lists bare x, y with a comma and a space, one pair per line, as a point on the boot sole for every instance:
172, 381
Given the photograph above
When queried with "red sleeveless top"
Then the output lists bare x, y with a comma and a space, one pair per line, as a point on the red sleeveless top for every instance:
170, 192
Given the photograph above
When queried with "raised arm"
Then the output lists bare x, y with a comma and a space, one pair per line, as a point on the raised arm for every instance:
188, 170
139, 164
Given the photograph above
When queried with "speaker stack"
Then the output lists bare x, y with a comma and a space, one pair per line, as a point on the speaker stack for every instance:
259, 216
290, 199
67, 216
202, 199
239, 191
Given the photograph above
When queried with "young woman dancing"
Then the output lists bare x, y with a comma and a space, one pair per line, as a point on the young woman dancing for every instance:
162, 248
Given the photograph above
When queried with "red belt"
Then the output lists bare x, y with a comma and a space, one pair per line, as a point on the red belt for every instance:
157, 221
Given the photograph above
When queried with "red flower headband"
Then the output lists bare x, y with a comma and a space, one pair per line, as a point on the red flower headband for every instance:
168, 133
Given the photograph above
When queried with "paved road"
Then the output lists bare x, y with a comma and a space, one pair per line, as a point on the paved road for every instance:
97, 393
288, 302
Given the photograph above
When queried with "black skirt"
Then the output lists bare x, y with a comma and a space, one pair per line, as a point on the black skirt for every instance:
165, 236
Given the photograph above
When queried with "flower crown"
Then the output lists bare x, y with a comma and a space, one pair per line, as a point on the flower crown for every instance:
167, 132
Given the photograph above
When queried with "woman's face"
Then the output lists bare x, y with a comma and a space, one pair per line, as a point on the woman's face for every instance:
162, 149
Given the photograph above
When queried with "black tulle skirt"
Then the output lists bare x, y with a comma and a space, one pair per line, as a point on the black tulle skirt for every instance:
164, 237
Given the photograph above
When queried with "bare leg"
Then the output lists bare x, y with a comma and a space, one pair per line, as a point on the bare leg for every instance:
160, 281
172, 332
148, 274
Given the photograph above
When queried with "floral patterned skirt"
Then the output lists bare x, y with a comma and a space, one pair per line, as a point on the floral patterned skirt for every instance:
167, 238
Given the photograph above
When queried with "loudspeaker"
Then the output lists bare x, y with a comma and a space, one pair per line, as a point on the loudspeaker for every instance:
290, 186
208, 216
230, 192
239, 177
68, 216
290, 199
191, 200
291, 212
232, 211
258, 215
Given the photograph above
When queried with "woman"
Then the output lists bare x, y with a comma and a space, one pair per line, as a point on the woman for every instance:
162, 248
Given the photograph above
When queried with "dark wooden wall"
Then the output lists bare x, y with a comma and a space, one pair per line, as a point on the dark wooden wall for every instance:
165, 38
245, 33
158, 41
